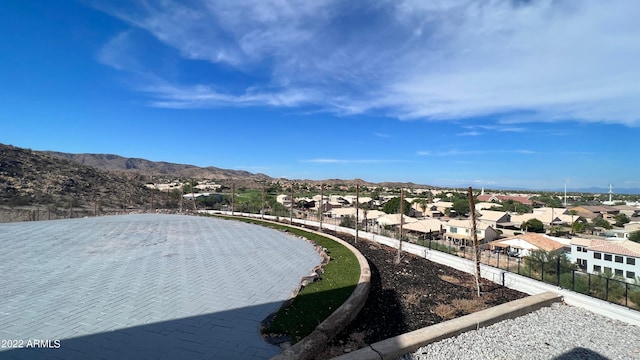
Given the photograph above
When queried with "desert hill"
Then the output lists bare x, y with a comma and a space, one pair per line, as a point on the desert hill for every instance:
111, 162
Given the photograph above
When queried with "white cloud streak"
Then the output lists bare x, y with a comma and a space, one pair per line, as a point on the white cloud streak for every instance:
438, 60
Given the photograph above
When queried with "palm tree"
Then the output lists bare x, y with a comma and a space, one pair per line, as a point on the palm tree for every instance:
572, 213
422, 203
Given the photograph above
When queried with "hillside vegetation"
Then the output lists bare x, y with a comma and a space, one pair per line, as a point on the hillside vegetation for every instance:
36, 181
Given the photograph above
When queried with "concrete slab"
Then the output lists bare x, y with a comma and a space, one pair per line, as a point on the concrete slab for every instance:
144, 286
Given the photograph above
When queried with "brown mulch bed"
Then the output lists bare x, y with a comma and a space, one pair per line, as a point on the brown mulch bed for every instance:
411, 295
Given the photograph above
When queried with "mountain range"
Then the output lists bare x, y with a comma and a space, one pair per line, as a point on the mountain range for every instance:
118, 163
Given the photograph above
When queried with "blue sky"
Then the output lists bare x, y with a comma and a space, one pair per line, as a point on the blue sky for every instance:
531, 94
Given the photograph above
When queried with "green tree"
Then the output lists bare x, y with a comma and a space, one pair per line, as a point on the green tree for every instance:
635, 236
461, 206
550, 201
348, 221
621, 219
516, 206
600, 222
579, 227
393, 206
533, 225
422, 204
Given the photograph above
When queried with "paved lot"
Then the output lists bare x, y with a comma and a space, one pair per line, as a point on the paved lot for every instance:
144, 287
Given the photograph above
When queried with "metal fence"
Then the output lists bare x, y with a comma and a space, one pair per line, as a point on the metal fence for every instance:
606, 287
602, 286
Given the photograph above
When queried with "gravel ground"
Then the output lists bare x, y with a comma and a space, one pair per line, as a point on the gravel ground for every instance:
558, 332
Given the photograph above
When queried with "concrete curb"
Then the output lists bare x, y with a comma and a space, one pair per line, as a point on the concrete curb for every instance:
340, 318
403, 344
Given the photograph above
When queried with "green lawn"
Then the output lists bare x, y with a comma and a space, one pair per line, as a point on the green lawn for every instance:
320, 299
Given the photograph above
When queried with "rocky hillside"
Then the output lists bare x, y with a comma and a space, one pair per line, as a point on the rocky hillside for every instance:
154, 168
37, 180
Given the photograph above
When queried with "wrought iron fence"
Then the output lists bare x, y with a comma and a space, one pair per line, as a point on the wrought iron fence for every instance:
602, 286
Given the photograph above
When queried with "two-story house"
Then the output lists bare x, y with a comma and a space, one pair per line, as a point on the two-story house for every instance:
461, 231
617, 257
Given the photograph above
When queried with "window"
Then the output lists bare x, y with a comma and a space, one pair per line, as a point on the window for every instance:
619, 272
631, 261
619, 259
579, 249
584, 249
597, 255
454, 230
607, 257
597, 268
607, 270
631, 275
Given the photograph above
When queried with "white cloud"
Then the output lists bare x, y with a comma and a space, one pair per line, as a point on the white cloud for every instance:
439, 60
469, 133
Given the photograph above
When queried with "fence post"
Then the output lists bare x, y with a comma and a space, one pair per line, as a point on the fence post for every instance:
589, 284
573, 280
606, 291
542, 270
626, 294
558, 269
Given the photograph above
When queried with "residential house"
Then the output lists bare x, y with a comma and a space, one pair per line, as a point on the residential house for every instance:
338, 201
522, 245
500, 198
362, 200
548, 217
340, 212
461, 231
599, 211
394, 219
617, 257
284, 199
442, 206
495, 219
369, 217
630, 211
632, 226
426, 228
484, 205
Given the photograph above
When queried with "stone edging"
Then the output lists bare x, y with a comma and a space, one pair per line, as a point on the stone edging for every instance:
400, 345
340, 318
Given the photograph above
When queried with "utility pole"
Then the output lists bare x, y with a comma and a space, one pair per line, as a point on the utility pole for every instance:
233, 197
181, 197
262, 206
357, 212
398, 257
193, 198
321, 209
476, 246
291, 212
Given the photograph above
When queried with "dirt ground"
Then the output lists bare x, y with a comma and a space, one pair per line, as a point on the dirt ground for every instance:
413, 294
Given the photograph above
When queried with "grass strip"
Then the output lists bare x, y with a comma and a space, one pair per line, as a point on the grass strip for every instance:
320, 299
